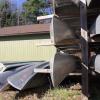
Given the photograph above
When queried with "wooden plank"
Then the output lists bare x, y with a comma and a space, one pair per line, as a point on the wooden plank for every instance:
38, 70
84, 46
45, 17
75, 74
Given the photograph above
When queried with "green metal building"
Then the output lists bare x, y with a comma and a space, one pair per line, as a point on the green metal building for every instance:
26, 43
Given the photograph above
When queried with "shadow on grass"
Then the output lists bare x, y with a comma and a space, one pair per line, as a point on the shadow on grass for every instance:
65, 87
95, 87
40, 92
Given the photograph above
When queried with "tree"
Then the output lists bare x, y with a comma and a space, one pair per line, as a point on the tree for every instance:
34, 8
7, 18
10, 15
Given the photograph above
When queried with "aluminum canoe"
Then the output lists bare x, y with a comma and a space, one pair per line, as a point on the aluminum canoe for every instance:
62, 65
61, 33
4, 76
27, 78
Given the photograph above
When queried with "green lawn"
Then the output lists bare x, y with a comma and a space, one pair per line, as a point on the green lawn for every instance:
62, 94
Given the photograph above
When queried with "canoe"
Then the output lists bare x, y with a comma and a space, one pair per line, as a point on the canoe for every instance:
4, 66
61, 66
4, 76
61, 33
97, 63
27, 78
95, 30
76, 2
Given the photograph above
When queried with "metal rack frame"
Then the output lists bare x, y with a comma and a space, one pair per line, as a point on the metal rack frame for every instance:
85, 48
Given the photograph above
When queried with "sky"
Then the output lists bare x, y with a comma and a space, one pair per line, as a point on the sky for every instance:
18, 5
18, 2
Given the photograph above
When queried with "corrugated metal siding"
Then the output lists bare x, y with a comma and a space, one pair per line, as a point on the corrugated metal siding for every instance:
25, 48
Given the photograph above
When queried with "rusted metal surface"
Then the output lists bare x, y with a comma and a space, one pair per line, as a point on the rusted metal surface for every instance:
25, 30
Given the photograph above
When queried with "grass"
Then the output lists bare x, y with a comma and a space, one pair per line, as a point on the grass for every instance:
61, 93
68, 90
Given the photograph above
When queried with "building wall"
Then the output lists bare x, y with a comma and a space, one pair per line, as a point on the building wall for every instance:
26, 48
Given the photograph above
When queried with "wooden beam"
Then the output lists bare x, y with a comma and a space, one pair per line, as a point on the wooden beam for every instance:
45, 17
84, 46
38, 70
